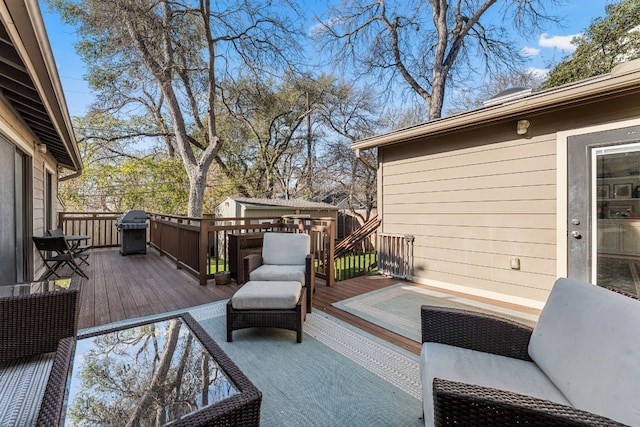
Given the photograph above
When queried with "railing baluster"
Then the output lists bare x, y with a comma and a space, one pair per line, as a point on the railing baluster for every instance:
395, 255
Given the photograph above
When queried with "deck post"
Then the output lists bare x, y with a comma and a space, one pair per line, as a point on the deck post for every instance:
203, 260
331, 251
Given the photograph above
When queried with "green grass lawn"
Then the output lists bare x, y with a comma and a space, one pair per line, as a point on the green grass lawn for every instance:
349, 265
346, 266
217, 264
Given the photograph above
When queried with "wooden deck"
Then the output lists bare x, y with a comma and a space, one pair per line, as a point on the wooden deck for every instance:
123, 287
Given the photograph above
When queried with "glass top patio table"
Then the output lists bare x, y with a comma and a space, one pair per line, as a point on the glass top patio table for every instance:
166, 371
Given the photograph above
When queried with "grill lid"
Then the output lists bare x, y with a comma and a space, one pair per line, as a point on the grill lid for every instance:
132, 217
132, 225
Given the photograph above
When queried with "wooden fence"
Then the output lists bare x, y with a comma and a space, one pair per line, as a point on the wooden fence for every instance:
101, 226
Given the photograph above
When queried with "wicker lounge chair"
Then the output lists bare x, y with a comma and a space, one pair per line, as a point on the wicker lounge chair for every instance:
280, 287
285, 257
577, 367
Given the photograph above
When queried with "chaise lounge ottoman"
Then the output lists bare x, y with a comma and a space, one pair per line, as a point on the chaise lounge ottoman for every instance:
267, 304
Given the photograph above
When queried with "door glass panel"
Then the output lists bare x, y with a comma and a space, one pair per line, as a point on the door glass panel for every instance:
616, 207
7, 214
20, 212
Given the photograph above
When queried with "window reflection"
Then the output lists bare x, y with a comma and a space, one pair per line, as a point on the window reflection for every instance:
617, 209
148, 375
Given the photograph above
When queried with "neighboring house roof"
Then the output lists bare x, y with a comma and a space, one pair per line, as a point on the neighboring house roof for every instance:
622, 79
290, 203
29, 80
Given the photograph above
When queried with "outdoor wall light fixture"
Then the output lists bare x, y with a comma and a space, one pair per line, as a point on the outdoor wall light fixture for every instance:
523, 127
42, 148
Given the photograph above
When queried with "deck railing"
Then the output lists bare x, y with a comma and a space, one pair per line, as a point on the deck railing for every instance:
201, 245
356, 254
179, 238
395, 255
101, 226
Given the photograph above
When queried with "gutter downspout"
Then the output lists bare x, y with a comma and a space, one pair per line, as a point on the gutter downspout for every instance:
75, 174
363, 160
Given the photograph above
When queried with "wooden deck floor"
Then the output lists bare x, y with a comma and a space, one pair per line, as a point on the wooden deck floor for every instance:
123, 287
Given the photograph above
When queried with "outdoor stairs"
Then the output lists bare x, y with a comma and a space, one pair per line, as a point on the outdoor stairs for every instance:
353, 240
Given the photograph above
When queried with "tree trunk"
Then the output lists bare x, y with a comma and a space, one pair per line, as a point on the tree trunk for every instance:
160, 375
197, 183
436, 100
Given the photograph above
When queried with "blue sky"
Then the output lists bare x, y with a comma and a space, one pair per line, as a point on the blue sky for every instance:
544, 47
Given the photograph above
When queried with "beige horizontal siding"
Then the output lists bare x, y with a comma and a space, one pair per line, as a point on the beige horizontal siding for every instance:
491, 266
497, 170
467, 259
500, 152
474, 208
513, 221
464, 183
487, 281
483, 234
433, 193
498, 247
496, 207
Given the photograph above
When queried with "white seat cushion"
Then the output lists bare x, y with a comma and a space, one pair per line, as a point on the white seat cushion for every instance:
484, 369
285, 248
282, 273
267, 295
587, 341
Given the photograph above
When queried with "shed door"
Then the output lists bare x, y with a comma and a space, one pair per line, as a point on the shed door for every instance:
604, 208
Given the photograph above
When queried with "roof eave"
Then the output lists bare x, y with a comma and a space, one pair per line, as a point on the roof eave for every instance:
24, 23
608, 85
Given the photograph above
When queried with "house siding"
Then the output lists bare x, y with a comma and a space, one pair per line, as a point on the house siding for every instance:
13, 129
476, 198
473, 207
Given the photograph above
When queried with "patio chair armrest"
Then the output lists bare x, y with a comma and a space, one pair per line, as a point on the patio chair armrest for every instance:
310, 273
250, 263
310, 280
467, 404
475, 331
53, 399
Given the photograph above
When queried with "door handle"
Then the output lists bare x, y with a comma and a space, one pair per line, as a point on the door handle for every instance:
576, 234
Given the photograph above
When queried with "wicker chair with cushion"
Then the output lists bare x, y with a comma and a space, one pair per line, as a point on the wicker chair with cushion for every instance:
578, 366
286, 257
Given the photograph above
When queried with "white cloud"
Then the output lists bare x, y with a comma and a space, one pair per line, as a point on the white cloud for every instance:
320, 27
541, 73
316, 30
530, 51
558, 42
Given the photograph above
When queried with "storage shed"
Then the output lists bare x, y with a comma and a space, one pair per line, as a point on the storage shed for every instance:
234, 207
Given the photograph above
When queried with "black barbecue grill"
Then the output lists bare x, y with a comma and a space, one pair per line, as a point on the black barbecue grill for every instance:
132, 226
